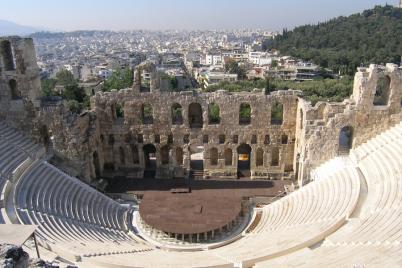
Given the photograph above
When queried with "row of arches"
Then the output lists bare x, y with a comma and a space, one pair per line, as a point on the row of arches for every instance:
195, 114
244, 157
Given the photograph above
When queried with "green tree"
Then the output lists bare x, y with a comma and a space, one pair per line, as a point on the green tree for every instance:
344, 43
48, 86
120, 79
65, 78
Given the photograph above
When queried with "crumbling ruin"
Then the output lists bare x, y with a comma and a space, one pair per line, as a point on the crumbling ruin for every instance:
144, 132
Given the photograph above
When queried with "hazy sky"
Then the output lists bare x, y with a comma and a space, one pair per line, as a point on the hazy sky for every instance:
177, 14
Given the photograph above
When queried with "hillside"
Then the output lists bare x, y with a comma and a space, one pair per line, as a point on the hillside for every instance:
11, 28
344, 43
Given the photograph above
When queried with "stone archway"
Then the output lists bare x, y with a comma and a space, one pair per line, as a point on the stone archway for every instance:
345, 140
243, 160
195, 115
149, 160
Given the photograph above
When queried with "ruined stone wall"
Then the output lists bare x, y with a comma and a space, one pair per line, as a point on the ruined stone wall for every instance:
110, 139
318, 128
227, 134
19, 81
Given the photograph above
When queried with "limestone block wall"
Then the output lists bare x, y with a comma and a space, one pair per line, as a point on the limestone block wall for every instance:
19, 81
227, 134
318, 128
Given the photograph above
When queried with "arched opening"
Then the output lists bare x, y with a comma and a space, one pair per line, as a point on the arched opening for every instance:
177, 118
228, 157
134, 154
122, 156
7, 55
147, 114
243, 161
284, 139
221, 139
15, 94
179, 156
213, 156
275, 157
197, 162
119, 112
260, 157
44, 135
244, 114
382, 91
345, 140
213, 114
128, 138
301, 119
195, 115
150, 160
165, 155
267, 139
95, 161
277, 113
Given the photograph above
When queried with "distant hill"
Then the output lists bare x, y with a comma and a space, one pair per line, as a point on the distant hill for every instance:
344, 43
11, 28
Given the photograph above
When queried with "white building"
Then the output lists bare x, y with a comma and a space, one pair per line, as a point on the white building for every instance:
211, 59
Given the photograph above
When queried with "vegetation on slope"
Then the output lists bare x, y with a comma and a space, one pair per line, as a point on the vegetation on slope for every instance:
344, 43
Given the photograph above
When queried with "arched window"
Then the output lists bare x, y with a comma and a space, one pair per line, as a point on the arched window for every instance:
119, 111
150, 157
147, 114
195, 115
15, 94
213, 114
44, 135
165, 155
213, 156
228, 157
222, 139
244, 114
284, 139
134, 153
275, 157
267, 139
277, 113
128, 138
243, 160
179, 156
177, 118
345, 139
382, 91
122, 156
7, 55
260, 157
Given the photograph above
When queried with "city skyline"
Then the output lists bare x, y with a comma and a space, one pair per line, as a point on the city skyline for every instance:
177, 14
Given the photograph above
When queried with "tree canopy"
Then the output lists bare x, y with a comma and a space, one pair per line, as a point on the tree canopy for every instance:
344, 43
120, 79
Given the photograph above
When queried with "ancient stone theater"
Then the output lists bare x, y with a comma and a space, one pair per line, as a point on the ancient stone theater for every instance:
150, 178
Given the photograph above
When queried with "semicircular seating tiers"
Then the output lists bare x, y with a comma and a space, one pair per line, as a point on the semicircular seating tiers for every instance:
301, 219
73, 219
16, 153
372, 237
349, 215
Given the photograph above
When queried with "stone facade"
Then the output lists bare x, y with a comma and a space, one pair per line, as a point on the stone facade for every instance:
183, 137
142, 130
